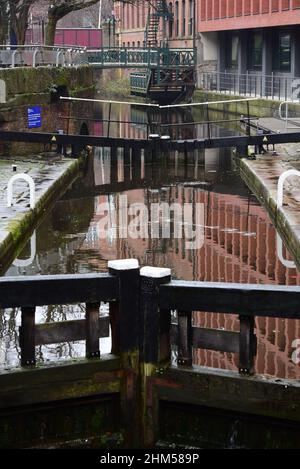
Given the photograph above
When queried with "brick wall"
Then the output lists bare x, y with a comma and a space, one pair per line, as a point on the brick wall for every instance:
214, 15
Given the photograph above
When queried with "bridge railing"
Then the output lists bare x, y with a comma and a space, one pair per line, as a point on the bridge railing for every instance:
35, 56
142, 307
252, 84
138, 57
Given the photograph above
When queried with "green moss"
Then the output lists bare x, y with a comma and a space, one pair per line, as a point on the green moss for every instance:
258, 107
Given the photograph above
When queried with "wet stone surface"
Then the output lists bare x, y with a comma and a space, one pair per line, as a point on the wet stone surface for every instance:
44, 169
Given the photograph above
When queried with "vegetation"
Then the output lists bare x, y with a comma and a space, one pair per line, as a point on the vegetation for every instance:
15, 15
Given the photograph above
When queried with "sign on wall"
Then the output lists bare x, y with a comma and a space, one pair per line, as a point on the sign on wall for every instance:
34, 117
2, 91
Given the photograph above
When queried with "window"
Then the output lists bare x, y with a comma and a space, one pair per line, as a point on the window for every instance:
255, 51
183, 18
171, 20
282, 52
176, 19
231, 51
191, 17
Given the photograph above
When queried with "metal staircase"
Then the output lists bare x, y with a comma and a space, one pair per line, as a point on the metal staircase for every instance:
156, 10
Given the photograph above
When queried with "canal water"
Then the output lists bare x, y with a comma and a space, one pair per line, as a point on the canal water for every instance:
236, 240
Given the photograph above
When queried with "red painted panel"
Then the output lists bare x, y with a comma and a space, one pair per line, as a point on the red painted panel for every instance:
79, 37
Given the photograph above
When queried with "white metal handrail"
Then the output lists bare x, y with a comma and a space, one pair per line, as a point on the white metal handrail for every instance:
280, 187
27, 262
29, 180
286, 117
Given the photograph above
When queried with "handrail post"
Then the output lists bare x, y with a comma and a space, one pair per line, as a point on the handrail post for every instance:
150, 345
27, 336
125, 325
248, 343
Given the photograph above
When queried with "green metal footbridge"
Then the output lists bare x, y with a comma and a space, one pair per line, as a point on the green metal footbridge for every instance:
161, 73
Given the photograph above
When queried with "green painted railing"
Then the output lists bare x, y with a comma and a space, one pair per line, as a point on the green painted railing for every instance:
135, 57
139, 82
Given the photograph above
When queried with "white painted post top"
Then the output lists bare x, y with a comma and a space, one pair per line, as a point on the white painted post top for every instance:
155, 272
123, 264
154, 136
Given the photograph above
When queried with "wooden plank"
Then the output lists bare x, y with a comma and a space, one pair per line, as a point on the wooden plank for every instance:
71, 139
113, 165
249, 300
136, 164
125, 313
27, 337
127, 166
150, 318
60, 381
58, 289
114, 319
165, 336
224, 389
211, 339
92, 346
185, 336
247, 345
68, 331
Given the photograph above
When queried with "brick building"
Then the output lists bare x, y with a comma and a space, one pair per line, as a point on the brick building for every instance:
253, 41
178, 29
254, 37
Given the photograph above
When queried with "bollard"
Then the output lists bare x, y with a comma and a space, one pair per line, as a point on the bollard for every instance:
125, 323
151, 279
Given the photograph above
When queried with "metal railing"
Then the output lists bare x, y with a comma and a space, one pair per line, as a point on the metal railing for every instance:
138, 57
139, 82
40, 56
253, 85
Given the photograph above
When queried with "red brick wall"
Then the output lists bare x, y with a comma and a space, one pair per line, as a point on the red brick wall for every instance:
216, 15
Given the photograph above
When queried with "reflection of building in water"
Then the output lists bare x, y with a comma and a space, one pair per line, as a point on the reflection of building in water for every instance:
240, 246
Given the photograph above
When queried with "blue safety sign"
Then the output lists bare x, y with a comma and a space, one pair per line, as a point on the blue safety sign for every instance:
34, 117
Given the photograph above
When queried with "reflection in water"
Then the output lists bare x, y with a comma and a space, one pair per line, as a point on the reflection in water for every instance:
239, 243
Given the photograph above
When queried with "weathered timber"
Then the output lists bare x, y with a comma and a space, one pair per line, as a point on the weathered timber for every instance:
136, 164
113, 165
128, 305
58, 289
81, 141
91, 329
68, 331
210, 339
224, 389
248, 300
150, 316
126, 322
247, 350
68, 380
27, 336
72, 139
185, 338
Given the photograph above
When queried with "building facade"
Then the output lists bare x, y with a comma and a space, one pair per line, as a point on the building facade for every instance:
254, 38
133, 21
247, 46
